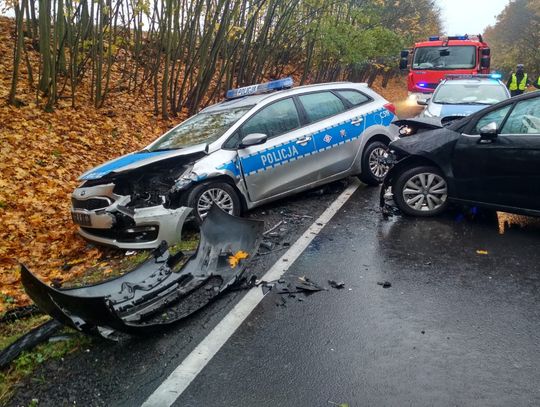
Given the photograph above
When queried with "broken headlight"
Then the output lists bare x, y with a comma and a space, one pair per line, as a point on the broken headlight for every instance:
185, 179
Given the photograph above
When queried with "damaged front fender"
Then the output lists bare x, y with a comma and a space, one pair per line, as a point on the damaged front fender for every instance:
160, 291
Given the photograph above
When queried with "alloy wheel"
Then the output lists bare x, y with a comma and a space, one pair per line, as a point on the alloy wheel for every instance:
214, 195
425, 192
377, 165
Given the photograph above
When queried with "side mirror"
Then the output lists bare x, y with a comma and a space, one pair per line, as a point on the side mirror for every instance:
423, 102
404, 53
488, 132
403, 63
485, 62
253, 139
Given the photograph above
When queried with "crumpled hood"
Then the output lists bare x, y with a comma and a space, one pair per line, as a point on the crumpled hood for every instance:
426, 142
136, 160
420, 122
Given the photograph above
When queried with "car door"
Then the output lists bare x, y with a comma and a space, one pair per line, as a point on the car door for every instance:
337, 122
504, 170
279, 165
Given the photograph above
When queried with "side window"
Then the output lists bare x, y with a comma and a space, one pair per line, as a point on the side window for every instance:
524, 119
354, 97
496, 116
321, 105
273, 120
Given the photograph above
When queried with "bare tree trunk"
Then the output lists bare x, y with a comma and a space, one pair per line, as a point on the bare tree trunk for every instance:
19, 44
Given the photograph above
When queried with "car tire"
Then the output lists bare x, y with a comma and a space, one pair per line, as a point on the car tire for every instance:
373, 172
421, 191
202, 197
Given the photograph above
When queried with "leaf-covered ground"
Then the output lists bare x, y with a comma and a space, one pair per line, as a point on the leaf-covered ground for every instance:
41, 156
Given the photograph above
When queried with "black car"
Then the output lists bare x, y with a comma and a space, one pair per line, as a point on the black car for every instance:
491, 159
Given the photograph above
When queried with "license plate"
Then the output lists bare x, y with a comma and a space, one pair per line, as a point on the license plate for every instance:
82, 219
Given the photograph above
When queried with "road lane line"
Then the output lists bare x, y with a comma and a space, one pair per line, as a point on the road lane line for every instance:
178, 381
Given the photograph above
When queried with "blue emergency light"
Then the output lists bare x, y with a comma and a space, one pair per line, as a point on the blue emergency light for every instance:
473, 76
422, 84
434, 38
279, 84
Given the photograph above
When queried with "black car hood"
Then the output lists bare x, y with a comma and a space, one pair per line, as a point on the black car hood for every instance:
426, 143
421, 123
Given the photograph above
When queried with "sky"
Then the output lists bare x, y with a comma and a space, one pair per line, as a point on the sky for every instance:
469, 16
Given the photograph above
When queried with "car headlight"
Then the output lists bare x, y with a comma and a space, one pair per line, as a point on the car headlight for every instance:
187, 177
405, 131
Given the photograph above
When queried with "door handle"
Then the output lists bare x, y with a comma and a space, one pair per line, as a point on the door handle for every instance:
356, 122
303, 140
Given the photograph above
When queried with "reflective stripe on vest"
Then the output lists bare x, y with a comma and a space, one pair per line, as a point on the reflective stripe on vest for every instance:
514, 84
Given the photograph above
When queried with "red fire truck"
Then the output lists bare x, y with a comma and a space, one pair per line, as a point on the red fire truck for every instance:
430, 61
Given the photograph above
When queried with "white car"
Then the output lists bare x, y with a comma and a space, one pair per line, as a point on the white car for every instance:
262, 143
462, 95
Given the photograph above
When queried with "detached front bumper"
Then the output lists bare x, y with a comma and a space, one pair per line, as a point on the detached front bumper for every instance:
104, 218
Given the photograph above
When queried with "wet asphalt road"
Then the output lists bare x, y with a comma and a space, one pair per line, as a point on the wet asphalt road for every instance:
455, 328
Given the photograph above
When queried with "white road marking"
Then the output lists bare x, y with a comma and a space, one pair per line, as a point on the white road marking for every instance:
178, 381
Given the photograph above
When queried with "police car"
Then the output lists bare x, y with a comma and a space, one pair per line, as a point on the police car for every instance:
262, 143
462, 95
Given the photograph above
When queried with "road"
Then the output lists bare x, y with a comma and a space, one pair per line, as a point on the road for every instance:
455, 328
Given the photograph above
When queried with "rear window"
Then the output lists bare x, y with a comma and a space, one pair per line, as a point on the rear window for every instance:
321, 105
354, 97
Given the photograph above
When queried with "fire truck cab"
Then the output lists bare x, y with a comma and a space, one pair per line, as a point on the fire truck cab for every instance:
430, 61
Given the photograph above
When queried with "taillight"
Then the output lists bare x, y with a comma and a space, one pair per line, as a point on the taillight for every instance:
391, 107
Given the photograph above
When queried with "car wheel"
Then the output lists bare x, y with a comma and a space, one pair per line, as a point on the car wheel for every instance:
203, 196
421, 191
373, 168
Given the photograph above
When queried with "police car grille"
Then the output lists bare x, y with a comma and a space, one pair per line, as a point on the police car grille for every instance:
90, 204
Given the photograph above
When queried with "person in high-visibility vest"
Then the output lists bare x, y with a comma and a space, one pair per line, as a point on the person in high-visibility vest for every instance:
518, 81
537, 83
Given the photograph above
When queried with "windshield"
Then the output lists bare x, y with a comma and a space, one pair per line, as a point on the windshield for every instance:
473, 94
199, 129
455, 57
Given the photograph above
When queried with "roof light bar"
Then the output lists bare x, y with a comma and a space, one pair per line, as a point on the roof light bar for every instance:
279, 84
473, 76
456, 37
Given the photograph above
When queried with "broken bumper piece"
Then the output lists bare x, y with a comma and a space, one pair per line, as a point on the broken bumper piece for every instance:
160, 291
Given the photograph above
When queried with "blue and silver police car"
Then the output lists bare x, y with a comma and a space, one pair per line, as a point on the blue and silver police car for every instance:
262, 143
462, 95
